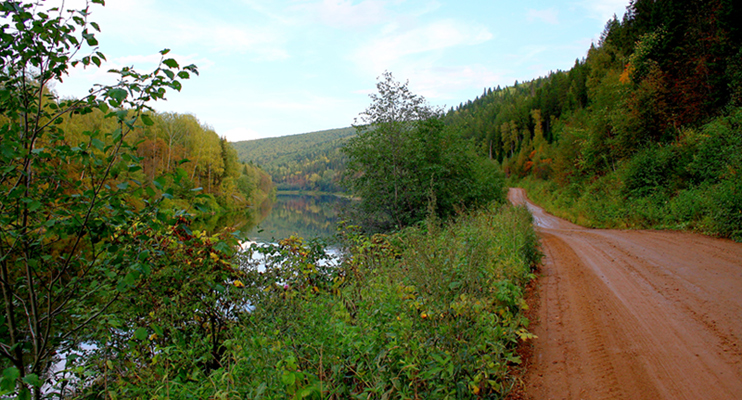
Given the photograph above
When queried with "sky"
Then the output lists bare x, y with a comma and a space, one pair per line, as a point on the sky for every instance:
275, 68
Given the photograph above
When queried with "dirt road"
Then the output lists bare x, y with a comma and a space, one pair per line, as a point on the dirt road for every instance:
635, 314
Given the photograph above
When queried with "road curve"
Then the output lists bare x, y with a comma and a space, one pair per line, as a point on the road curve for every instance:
635, 314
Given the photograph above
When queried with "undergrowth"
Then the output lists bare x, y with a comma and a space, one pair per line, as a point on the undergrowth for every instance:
693, 183
431, 312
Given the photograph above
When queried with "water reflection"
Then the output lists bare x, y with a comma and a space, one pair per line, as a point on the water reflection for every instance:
306, 216
242, 221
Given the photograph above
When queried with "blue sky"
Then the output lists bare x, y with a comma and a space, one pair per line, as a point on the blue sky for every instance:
275, 68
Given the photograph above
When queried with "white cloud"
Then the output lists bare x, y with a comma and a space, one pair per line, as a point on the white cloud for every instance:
265, 8
438, 84
384, 52
146, 23
549, 16
345, 14
428, 8
264, 44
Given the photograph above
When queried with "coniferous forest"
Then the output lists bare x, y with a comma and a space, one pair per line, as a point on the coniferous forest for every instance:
642, 132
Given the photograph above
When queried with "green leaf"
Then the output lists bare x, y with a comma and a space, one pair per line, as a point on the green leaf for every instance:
122, 114
129, 279
7, 383
118, 94
90, 38
170, 63
34, 205
164, 51
146, 120
123, 185
223, 247
32, 379
160, 182
158, 330
98, 144
288, 378
141, 333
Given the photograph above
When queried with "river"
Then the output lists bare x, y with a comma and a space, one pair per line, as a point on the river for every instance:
306, 216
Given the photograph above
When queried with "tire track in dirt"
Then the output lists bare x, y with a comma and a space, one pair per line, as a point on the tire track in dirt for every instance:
635, 314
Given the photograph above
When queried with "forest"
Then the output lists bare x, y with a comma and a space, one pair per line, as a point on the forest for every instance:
642, 132
180, 144
306, 162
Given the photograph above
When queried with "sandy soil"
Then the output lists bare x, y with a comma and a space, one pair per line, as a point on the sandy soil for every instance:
635, 314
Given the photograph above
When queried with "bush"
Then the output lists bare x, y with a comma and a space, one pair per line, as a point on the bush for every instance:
649, 171
433, 312
406, 158
726, 212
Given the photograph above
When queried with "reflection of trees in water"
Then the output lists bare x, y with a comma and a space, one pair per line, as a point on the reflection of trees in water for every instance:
243, 221
305, 216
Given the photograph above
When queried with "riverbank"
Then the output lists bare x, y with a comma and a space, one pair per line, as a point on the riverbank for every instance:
434, 311
340, 195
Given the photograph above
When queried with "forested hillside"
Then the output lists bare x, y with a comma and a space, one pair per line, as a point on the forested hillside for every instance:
179, 146
644, 131
310, 161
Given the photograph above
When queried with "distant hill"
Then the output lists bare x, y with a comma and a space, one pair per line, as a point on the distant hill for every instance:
308, 161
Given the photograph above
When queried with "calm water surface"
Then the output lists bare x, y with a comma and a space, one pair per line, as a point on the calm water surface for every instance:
307, 216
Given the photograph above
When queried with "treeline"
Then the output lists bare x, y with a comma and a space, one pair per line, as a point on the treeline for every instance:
310, 161
630, 136
179, 146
